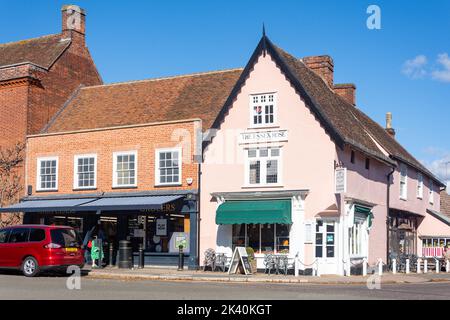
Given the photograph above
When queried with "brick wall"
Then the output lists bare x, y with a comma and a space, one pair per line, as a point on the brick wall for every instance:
143, 139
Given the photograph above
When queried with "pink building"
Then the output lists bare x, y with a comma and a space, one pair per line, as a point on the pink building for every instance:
292, 166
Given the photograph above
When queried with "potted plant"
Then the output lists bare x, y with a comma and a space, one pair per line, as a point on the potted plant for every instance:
251, 258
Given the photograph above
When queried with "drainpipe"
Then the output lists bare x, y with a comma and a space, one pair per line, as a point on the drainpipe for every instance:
198, 209
388, 196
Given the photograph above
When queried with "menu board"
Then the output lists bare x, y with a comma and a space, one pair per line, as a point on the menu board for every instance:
240, 257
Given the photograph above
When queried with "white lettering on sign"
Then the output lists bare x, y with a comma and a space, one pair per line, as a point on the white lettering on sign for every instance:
340, 180
263, 136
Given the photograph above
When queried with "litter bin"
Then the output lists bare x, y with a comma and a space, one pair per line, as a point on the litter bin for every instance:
125, 255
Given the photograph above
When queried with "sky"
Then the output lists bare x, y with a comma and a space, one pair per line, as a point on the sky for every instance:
403, 67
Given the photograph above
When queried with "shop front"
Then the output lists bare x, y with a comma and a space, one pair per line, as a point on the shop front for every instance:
402, 232
158, 223
268, 222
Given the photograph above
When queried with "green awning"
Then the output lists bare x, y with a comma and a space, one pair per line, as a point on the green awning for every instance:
258, 211
365, 211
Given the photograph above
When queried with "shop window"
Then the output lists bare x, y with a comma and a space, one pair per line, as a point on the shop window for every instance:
85, 171
263, 166
168, 171
325, 239
125, 167
159, 232
357, 237
262, 109
262, 238
47, 174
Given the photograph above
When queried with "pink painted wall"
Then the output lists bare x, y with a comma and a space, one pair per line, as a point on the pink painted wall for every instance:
371, 186
431, 226
413, 204
307, 158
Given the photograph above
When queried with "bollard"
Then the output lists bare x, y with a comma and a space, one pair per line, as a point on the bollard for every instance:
317, 269
111, 254
380, 267
180, 258
364, 267
425, 266
407, 266
394, 266
418, 265
447, 266
347, 266
438, 265
141, 256
296, 267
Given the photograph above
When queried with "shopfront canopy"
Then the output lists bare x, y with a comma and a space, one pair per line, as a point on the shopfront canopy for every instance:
257, 211
365, 211
92, 204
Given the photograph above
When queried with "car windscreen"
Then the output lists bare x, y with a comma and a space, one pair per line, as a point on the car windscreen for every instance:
65, 237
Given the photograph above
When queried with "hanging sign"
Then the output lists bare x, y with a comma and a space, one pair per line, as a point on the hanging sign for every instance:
340, 180
240, 257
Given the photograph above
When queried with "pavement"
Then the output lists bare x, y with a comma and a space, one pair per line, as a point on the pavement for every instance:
209, 276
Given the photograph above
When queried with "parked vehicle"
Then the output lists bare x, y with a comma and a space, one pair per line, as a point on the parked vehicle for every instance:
36, 248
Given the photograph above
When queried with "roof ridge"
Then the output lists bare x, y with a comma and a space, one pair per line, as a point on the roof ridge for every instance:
31, 39
163, 78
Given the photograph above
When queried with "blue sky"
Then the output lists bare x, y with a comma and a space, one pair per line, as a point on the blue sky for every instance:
402, 68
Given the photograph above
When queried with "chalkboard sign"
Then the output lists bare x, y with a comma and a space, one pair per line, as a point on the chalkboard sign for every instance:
240, 257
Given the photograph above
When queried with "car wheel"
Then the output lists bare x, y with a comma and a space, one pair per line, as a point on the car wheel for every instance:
30, 267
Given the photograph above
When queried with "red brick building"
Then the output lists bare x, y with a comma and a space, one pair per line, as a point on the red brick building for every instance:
37, 76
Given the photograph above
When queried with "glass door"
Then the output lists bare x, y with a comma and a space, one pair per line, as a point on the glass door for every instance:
326, 246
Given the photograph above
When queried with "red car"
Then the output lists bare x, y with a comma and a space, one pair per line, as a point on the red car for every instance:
36, 248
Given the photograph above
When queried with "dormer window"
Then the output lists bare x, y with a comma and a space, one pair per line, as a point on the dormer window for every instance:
262, 109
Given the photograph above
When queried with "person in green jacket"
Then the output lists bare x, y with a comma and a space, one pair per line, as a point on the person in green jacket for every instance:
96, 253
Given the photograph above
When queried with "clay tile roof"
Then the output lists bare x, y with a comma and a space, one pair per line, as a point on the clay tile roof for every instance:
43, 51
337, 111
352, 124
445, 203
167, 99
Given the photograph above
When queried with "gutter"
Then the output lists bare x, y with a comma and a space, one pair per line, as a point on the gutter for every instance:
388, 197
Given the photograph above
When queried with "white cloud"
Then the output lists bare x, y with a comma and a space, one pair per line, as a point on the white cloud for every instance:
443, 74
440, 166
415, 68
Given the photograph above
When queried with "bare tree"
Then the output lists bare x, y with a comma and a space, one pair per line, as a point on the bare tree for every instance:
11, 161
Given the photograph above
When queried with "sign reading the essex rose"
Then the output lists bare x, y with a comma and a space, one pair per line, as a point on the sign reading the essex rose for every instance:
263, 136
340, 180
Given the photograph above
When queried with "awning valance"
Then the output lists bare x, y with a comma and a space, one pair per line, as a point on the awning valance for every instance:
92, 204
366, 211
257, 211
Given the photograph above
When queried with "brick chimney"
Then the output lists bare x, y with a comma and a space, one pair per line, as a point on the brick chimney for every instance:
323, 66
346, 91
389, 128
73, 22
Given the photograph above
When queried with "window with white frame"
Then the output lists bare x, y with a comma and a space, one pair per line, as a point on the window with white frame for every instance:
357, 237
263, 166
403, 181
168, 168
263, 109
85, 171
47, 174
431, 192
419, 185
125, 169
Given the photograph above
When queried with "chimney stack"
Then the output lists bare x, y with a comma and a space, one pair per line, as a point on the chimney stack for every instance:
346, 91
73, 21
323, 66
389, 128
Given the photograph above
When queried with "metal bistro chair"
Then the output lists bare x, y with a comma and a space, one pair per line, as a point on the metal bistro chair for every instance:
221, 262
283, 264
210, 259
269, 263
